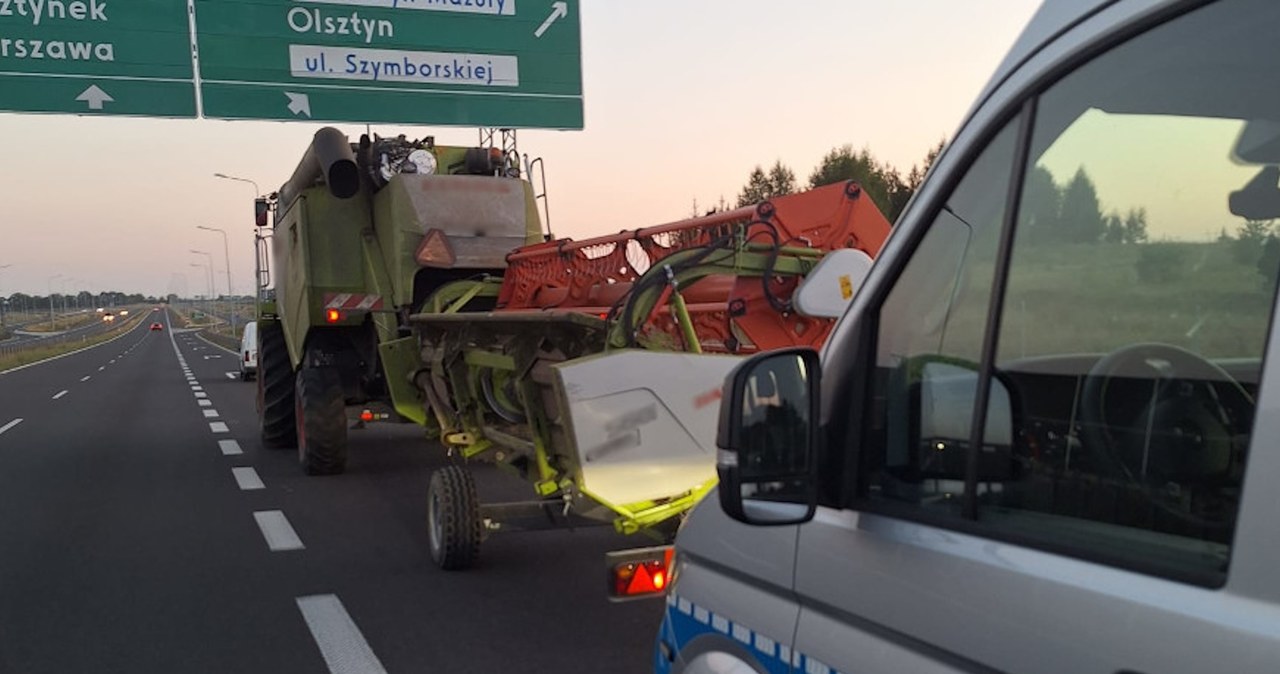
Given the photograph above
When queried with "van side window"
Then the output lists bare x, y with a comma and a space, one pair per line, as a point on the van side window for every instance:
929, 340
1135, 310
1137, 304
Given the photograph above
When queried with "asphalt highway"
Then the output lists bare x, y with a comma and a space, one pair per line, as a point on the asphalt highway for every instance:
144, 529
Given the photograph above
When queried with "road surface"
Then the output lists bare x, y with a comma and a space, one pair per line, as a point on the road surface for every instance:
145, 529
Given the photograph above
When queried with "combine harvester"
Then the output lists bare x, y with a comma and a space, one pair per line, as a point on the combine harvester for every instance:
415, 281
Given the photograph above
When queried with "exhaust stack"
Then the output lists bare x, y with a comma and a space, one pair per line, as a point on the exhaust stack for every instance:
328, 161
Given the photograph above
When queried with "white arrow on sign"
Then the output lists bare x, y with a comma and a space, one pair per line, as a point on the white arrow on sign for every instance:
95, 97
299, 104
558, 10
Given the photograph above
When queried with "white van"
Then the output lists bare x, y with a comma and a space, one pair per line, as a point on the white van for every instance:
1037, 440
249, 351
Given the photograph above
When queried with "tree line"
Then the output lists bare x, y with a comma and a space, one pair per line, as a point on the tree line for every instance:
1052, 213
889, 187
84, 298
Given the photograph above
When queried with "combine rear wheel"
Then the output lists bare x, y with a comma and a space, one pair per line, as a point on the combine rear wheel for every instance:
275, 388
453, 518
321, 415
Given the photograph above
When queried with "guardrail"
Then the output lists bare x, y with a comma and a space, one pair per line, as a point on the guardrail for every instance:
81, 334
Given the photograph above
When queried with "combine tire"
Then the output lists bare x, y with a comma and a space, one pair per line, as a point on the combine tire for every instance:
453, 518
275, 388
321, 415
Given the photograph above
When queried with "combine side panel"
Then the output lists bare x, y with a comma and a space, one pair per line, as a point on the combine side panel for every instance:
314, 261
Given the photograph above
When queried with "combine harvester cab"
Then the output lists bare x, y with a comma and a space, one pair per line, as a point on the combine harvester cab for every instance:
592, 368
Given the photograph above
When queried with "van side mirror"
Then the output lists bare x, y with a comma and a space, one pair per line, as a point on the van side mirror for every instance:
767, 438
1259, 199
260, 210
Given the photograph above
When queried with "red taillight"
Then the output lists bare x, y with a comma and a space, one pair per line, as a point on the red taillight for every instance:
640, 573
366, 416
332, 315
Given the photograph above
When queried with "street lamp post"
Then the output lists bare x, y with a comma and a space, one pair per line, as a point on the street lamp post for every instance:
256, 192
2, 300
226, 251
257, 269
208, 281
52, 325
208, 256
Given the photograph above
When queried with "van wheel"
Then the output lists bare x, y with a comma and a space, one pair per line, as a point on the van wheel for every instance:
453, 518
275, 389
321, 415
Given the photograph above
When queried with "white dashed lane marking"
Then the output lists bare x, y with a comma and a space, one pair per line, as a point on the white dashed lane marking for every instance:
247, 478
231, 375
210, 414
230, 447
10, 425
218, 427
201, 394
102, 368
85, 378
342, 646
204, 403
277, 531
59, 394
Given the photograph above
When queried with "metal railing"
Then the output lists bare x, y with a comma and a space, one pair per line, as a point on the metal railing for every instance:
81, 334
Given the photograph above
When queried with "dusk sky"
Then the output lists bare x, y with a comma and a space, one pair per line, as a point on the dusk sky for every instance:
682, 100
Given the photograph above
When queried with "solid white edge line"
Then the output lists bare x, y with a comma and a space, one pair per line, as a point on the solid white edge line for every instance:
229, 447
277, 531
247, 478
58, 395
10, 425
341, 644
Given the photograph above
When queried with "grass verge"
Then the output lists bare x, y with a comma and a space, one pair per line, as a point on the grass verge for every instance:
63, 323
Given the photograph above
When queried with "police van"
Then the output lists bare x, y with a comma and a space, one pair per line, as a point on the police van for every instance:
1032, 443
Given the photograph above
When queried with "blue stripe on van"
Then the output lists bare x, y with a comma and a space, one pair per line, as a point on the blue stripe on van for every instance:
685, 621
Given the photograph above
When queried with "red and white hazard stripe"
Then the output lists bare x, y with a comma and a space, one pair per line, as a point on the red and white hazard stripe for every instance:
353, 301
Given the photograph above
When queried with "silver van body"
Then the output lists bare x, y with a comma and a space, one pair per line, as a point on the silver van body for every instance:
248, 355
891, 573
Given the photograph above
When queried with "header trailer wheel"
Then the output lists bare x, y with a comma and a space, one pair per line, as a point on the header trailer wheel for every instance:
453, 518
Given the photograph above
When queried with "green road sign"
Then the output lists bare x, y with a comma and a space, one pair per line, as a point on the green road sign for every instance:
507, 63
110, 57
